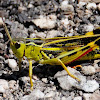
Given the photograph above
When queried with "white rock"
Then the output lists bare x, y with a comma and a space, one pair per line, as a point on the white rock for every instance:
11, 52
92, 96
87, 96
73, 0
67, 82
81, 4
95, 95
45, 80
13, 85
2, 90
45, 22
63, 98
96, 1
26, 97
1, 35
70, 34
33, 35
25, 79
98, 6
69, 98
64, 3
1, 21
91, 5
53, 17
90, 86
65, 22
52, 33
50, 94
3, 85
89, 27
30, 6
12, 64
20, 8
67, 7
35, 95
41, 35
88, 70
78, 98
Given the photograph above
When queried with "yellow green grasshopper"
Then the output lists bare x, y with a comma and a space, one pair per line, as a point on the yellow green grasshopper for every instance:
56, 51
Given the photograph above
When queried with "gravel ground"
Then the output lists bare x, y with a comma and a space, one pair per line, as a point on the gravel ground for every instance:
47, 19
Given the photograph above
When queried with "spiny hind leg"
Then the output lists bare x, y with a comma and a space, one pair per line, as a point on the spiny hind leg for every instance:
57, 61
63, 65
30, 73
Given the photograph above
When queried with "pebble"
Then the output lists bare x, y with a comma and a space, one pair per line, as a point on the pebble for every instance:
64, 3
41, 35
18, 30
87, 96
63, 98
67, 8
10, 51
53, 17
98, 19
67, 82
32, 35
96, 1
70, 34
20, 8
35, 95
92, 96
78, 98
91, 6
1, 21
13, 85
2, 46
45, 22
45, 80
89, 27
1, 35
90, 86
95, 95
2, 90
85, 0
69, 98
65, 22
81, 4
98, 6
52, 33
3, 85
12, 64
30, 6
88, 70
25, 79
50, 94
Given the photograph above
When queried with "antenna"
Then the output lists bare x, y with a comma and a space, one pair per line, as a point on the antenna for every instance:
6, 30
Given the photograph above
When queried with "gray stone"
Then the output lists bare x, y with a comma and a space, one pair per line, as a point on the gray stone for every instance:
88, 70
12, 64
67, 82
3, 85
45, 22
35, 95
90, 86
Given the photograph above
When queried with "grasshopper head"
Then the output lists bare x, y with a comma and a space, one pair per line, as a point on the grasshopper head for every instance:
18, 49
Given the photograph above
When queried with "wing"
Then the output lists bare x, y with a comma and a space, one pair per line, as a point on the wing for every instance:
70, 49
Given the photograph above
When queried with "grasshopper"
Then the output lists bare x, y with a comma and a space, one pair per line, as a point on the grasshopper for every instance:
56, 51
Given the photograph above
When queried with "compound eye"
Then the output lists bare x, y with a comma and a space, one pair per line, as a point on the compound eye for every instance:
17, 45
